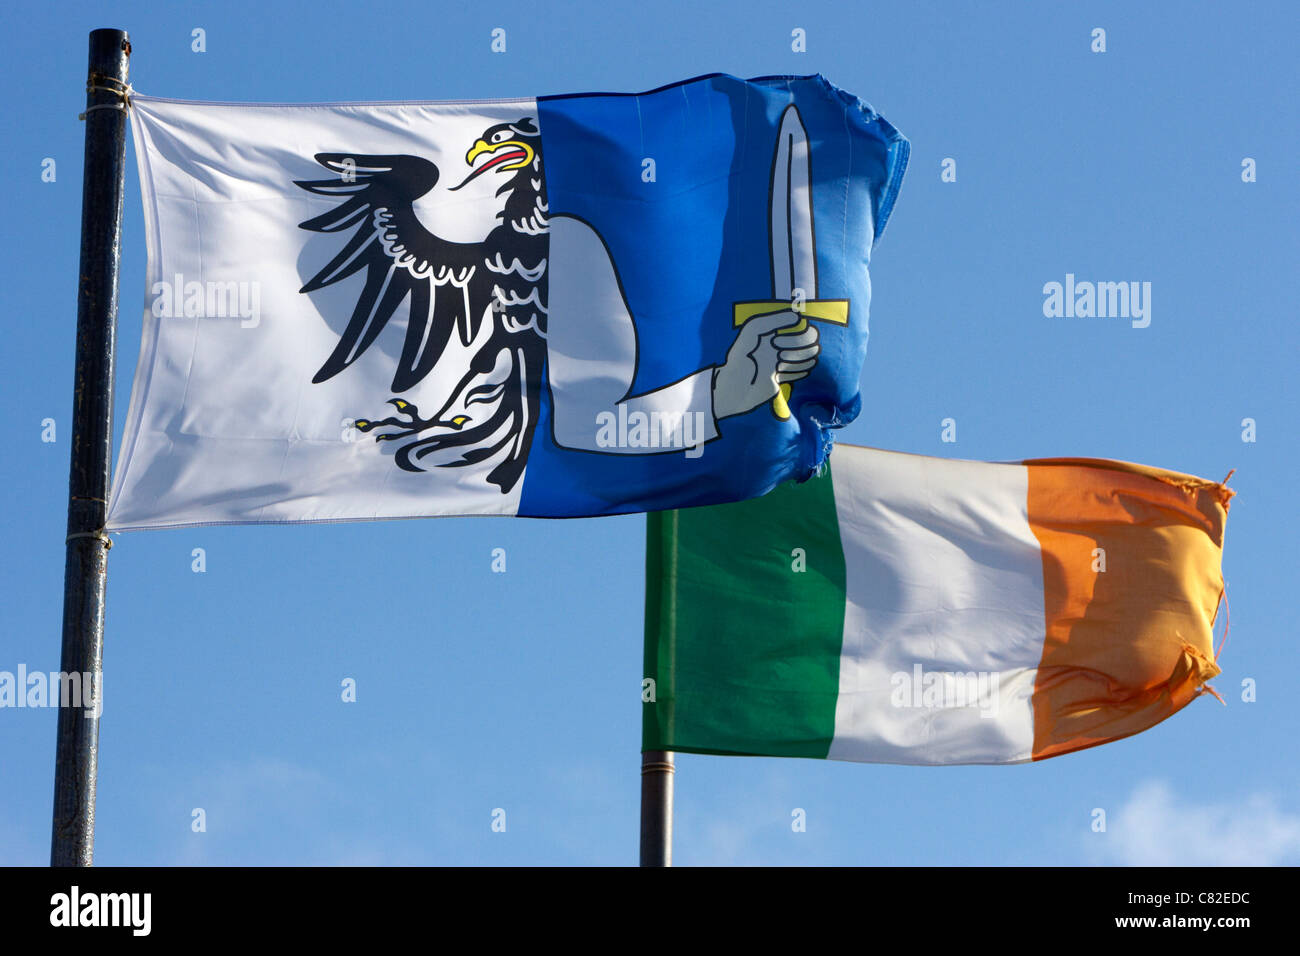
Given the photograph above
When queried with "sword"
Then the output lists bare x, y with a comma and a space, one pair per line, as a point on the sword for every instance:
793, 248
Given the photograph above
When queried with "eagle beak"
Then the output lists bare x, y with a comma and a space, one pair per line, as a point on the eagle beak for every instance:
482, 146
512, 154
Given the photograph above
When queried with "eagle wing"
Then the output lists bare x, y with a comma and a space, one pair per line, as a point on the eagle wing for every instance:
400, 258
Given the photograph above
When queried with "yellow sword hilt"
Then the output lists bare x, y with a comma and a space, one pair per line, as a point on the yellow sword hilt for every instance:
835, 311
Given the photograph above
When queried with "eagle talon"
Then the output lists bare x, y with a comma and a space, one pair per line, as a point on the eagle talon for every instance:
408, 420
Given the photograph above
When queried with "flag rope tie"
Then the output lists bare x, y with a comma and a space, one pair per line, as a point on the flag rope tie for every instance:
98, 535
122, 91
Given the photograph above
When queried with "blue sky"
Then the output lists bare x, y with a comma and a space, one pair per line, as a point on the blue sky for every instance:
520, 691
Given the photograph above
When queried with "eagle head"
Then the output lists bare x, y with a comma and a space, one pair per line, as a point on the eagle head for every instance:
505, 148
513, 152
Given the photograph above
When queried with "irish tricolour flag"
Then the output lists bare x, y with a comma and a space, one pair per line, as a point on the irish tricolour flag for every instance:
906, 609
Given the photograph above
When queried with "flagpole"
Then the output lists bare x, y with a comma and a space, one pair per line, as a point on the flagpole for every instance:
657, 772
72, 841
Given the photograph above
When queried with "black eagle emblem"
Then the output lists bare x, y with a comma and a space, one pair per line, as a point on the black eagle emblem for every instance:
491, 294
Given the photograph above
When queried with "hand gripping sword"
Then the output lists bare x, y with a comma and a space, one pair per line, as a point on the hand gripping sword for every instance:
794, 251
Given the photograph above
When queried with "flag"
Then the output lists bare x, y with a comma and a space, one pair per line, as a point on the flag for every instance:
915, 610
562, 306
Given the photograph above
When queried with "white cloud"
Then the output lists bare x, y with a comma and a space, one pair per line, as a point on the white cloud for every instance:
1157, 828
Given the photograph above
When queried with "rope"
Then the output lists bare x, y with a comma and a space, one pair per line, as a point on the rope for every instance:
122, 91
103, 106
97, 535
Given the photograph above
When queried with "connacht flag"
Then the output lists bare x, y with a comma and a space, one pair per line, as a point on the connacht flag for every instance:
563, 306
905, 609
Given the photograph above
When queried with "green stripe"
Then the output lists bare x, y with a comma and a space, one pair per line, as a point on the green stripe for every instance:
743, 648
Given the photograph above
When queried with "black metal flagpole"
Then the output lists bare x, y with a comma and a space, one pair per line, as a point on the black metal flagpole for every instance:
657, 808
72, 841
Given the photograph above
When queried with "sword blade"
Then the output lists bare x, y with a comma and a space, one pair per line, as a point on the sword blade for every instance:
794, 256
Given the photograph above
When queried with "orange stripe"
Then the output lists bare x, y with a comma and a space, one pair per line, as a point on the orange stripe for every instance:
1127, 647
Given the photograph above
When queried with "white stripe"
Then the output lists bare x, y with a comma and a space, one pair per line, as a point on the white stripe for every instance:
943, 577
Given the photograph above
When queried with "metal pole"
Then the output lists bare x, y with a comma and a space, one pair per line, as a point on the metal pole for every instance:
72, 841
657, 808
